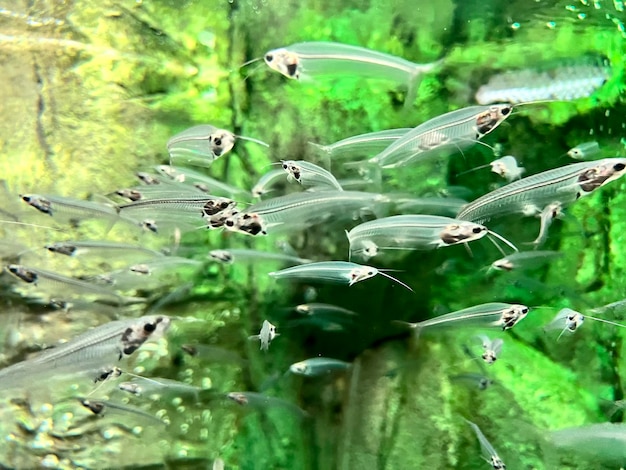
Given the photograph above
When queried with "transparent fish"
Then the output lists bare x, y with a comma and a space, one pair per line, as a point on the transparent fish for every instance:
450, 131
584, 151
263, 402
473, 380
491, 348
525, 260
159, 387
569, 321
266, 335
200, 182
309, 174
310, 60
565, 82
364, 144
59, 285
531, 194
202, 145
489, 453
87, 353
493, 314
101, 408
298, 211
548, 214
506, 167
102, 248
67, 209
342, 272
245, 256
266, 182
413, 232
318, 366
604, 442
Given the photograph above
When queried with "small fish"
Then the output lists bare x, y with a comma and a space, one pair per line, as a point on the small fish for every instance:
202, 145
317, 366
263, 402
473, 380
491, 348
100, 407
454, 130
489, 453
548, 214
569, 321
92, 352
530, 195
266, 335
70, 209
310, 60
584, 151
494, 314
569, 81
158, 387
604, 442
506, 167
525, 260
100, 248
269, 179
309, 174
421, 232
199, 181
342, 272
241, 255
55, 283
299, 211
364, 144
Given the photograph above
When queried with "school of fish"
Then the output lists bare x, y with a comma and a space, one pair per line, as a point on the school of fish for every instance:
172, 200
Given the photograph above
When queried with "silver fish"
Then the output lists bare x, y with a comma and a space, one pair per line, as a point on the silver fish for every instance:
364, 144
568, 81
531, 194
489, 453
342, 272
266, 335
317, 366
584, 151
309, 60
201, 145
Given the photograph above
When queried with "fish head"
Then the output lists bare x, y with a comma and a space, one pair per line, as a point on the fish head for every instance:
503, 264
461, 232
298, 368
292, 169
602, 173
221, 142
249, 223
361, 274
61, 248
284, 62
513, 315
491, 118
150, 224
152, 326
22, 273
216, 205
489, 356
573, 320
147, 178
267, 334
238, 397
224, 256
38, 202
143, 269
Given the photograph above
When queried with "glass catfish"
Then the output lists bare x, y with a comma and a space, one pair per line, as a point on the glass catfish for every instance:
309, 60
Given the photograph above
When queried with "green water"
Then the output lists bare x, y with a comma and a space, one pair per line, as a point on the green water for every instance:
91, 92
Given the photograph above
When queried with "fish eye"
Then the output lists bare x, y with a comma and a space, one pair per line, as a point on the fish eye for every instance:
619, 166
525, 310
269, 57
230, 223
149, 327
505, 111
217, 141
285, 166
477, 229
